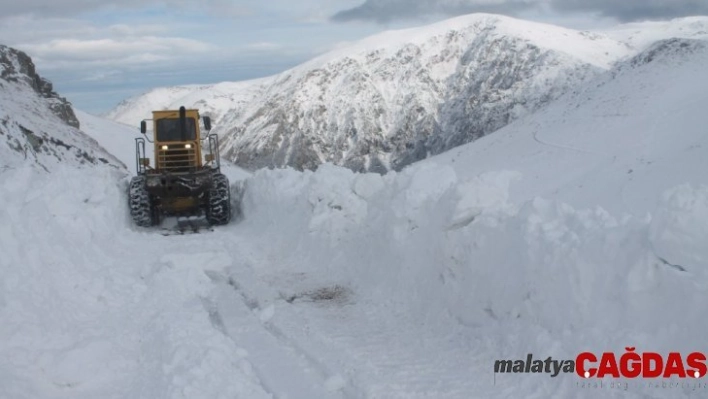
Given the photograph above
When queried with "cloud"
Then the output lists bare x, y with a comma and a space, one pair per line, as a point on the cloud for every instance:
623, 10
388, 10
126, 51
101, 75
61, 8
53, 8
136, 30
30, 29
263, 46
99, 50
633, 10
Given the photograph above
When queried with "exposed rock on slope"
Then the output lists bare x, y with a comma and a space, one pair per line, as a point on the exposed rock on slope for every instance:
36, 123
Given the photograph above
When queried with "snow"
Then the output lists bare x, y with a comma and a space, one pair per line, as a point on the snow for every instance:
642, 34
596, 49
578, 227
85, 315
31, 133
635, 133
116, 138
213, 100
678, 228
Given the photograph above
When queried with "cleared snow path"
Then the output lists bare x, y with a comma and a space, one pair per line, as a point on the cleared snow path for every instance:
92, 307
360, 348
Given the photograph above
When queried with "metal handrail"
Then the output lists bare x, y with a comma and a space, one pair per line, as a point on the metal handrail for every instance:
214, 149
140, 153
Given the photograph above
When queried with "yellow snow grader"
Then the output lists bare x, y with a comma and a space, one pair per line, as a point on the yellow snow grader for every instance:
185, 178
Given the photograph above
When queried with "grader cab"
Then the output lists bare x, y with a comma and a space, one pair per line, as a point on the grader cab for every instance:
185, 178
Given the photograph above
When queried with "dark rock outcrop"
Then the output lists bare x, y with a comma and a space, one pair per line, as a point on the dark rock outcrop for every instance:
17, 66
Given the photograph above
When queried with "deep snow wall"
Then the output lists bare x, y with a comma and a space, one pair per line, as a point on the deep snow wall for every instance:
458, 241
537, 277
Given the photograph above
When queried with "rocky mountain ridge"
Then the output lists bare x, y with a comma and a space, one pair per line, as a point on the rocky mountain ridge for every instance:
37, 125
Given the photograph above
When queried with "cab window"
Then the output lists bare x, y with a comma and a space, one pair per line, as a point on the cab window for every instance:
169, 129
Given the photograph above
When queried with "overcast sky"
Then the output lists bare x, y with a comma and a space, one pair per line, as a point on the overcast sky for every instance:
99, 52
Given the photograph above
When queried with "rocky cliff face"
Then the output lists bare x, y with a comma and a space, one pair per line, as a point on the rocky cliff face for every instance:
18, 67
36, 124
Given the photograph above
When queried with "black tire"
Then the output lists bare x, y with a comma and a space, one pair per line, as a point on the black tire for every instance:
218, 208
141, 208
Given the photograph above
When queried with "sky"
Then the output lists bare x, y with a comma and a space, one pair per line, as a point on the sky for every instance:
98, 52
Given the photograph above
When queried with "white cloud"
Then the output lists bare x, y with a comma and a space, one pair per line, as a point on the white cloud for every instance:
137, 30
625, 10
54, 8
94, 47
31, 29
101, 75
128, 51
263, 46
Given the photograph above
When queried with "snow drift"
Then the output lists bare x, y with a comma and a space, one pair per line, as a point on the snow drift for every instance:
443, 251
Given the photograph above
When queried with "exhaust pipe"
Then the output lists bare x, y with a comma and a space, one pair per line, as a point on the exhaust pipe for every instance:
183, 123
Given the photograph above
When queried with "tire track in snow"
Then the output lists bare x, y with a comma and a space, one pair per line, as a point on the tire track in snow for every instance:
535, 135
284, 368
393, 356
333, 379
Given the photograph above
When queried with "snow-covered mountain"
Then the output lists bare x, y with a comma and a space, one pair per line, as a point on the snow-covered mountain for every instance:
617, 142
213, 100
401, 96
640, 35
397, 97
36, 124
118, 139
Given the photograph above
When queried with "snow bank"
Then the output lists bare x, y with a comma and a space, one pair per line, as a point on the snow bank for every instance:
449, 249
93, 307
